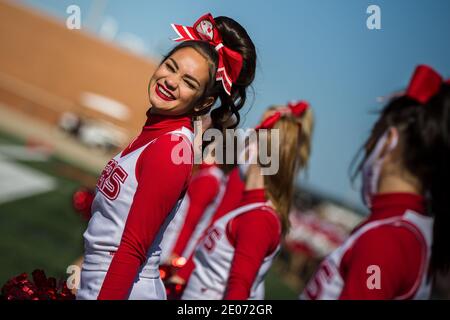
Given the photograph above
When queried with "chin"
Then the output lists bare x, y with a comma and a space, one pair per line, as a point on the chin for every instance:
157, 109
158, 104
162, 108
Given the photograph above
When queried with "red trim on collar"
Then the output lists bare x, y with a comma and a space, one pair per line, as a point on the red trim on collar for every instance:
205, 165
395, 204
252, 196
158, 121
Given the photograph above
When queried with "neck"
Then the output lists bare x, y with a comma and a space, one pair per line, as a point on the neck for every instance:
254, 179
158, 121
395, 184
154, 111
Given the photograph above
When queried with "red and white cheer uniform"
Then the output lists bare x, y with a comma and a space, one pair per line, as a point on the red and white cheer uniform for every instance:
232, 259
395, 242
205, 193
137, 195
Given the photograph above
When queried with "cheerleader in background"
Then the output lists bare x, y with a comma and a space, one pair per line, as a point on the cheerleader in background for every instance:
173, 229
204, 194
233, 257
405, 241
210, 196
177, 273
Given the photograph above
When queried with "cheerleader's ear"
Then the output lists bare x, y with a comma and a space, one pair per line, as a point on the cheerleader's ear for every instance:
207, 103
391, 142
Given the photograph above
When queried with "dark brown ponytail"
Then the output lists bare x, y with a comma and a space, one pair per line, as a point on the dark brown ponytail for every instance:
425, 139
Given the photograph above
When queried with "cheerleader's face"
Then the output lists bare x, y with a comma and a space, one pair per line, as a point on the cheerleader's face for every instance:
179, 82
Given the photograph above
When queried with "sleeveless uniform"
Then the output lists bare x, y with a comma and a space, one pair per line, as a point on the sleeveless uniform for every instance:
213, 258
114, 196
328, 282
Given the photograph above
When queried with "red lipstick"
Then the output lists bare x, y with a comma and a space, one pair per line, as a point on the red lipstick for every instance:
163, 93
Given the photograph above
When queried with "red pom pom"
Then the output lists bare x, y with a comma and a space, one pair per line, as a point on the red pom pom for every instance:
82, 202
42, 288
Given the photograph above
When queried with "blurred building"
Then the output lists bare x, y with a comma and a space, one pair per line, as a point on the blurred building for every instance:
50, 73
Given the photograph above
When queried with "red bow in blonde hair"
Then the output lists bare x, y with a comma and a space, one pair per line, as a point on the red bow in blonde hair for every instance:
205, 29
297, 109
424, 84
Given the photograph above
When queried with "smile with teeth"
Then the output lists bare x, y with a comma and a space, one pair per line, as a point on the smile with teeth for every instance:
163, 93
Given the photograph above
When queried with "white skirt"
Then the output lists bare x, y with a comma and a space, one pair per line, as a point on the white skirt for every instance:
144, 288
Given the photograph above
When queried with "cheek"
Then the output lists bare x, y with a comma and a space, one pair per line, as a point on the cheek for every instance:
152, 81
158, 74
188, 96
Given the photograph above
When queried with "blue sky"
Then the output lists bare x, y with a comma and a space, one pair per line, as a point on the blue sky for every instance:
317, 50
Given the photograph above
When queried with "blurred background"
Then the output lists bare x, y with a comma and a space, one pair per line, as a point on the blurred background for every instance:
71, 98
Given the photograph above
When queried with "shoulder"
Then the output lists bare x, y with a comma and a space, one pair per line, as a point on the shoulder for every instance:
205, 182
395, 251
170, 145
262, 218
388, 244
260, 226
167, 153
398, 234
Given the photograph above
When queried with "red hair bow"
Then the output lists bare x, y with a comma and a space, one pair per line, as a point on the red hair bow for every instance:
296, 109
424, 84
269, 122
230, 61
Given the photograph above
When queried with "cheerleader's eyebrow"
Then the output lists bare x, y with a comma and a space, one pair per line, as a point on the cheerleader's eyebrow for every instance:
186, 75
174, 62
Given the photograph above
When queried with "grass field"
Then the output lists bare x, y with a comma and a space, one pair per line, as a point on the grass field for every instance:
43, 231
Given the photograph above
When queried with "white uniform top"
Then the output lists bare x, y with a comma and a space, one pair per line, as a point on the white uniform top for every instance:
114, 196
174, 228
328, 283
213, 257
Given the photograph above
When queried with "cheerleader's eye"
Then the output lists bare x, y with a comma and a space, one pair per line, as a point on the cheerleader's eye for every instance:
170, 67
190, 84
